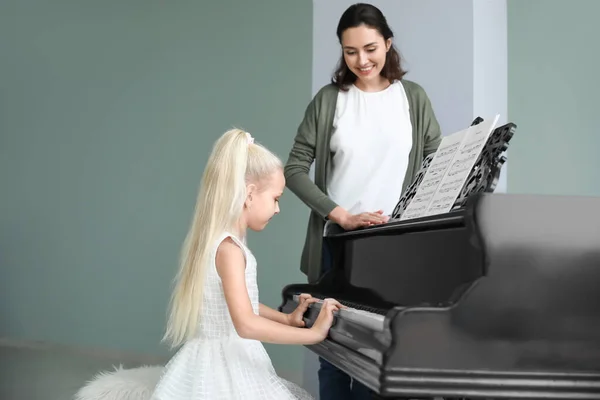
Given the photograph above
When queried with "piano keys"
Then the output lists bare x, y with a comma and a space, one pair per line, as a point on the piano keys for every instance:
373, 322
497, 300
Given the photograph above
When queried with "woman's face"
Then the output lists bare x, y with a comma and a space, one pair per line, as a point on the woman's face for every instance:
365, 51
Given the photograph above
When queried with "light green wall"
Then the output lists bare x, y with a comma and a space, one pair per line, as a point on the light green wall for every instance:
107, 114
553, 86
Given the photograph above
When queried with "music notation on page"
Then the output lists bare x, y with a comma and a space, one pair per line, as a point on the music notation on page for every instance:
449, 169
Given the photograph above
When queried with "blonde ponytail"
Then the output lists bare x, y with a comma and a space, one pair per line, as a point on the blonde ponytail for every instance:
234, 161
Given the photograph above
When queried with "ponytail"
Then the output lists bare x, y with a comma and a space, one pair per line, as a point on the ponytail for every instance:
234, 161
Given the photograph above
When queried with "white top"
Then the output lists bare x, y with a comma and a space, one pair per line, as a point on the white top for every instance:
371, 141
218, 364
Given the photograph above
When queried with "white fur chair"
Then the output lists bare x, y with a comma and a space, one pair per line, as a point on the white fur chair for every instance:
122, 384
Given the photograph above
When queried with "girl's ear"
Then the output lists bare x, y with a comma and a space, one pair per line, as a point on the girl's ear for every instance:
250, 190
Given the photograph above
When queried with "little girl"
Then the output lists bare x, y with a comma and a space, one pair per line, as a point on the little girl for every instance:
215, 313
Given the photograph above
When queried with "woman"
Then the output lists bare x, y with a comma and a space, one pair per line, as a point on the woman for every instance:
368, 132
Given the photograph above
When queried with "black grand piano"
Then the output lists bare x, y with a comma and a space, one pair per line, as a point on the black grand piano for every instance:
497, 299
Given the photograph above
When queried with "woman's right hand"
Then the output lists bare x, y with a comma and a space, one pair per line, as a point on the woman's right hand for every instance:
351, 222
325, 318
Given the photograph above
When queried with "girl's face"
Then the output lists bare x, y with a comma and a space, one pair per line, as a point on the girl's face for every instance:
262, 200
365, 52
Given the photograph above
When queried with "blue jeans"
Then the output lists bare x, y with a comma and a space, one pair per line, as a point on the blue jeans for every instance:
335, 384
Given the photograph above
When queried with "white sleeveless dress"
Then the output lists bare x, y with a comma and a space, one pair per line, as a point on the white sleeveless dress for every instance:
218, 364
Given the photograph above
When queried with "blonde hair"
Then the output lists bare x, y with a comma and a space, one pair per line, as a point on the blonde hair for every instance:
234, 162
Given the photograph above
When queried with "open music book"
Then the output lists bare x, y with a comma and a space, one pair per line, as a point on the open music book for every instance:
449, 170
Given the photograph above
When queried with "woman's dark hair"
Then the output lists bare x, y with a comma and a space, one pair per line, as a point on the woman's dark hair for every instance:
369, 15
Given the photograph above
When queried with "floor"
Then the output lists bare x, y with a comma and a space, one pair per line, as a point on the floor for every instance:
48, 373
37, 371
43, 372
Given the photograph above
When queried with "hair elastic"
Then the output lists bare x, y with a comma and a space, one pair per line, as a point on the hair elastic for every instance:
250, 138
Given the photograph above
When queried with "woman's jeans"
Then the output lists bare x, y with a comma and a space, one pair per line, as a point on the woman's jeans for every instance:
335, 384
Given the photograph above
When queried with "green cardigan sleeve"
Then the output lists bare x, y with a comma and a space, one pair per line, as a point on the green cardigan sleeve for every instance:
430, 127
300, 159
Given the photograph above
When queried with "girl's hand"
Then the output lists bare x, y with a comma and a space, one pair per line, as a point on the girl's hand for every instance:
325, 318
296, 317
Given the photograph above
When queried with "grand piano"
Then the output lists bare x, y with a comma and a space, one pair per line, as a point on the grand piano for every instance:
497, 299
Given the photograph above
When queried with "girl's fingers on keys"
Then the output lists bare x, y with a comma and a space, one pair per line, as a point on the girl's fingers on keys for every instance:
335, 303
305, 296
310, 301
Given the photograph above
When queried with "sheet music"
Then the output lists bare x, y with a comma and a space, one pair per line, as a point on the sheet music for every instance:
462, 164
448, 171
439, 164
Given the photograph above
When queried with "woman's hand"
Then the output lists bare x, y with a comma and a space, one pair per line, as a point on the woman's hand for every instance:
295, 318
350, 222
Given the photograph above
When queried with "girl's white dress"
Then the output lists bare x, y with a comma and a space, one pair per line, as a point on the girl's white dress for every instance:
218, 364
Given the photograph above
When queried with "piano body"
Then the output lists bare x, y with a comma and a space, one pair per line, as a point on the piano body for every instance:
496, 299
